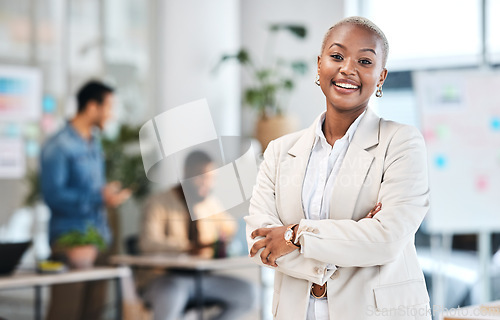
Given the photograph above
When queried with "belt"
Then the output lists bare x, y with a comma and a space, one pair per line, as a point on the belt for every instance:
318, 291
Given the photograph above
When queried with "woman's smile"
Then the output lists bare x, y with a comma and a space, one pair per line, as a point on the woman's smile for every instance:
346, 86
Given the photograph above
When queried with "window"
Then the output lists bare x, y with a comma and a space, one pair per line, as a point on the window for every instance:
429, 33
493, 31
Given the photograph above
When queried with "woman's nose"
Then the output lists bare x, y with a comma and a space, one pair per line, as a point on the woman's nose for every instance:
347, 67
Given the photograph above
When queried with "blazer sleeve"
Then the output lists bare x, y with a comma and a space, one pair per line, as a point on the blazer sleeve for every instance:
263, 213
404, 193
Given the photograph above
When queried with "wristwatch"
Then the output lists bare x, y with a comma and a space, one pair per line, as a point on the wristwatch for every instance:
290, 235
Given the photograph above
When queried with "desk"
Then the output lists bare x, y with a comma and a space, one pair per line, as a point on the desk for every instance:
487, 311
198, 265
23, 279
182, 262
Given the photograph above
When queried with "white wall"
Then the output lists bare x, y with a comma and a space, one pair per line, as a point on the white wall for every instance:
192, 37
307, 101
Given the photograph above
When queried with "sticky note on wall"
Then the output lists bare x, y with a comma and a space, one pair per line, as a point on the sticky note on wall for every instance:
441, 161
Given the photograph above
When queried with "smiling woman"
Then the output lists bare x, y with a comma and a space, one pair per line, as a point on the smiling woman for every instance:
351, 65
336, 206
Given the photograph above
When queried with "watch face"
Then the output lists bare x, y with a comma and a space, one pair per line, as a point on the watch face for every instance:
288, 235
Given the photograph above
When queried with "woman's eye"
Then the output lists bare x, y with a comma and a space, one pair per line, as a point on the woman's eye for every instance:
336, 56
364, 61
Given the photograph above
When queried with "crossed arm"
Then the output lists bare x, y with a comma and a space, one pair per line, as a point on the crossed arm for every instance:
274, 243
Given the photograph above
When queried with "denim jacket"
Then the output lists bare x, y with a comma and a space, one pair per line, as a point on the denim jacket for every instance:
72, 175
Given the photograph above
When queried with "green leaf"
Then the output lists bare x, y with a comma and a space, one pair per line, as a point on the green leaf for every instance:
296, 29
299, 67
254, 97
287, 84
77, 238
263, 74
243, 56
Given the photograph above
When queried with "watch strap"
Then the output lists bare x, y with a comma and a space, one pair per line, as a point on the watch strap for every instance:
291, 241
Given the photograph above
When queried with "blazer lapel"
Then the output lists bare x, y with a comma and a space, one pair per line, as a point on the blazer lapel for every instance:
292, 172
354, 167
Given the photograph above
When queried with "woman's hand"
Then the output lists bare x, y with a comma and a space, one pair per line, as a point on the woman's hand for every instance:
373, 211
274, 244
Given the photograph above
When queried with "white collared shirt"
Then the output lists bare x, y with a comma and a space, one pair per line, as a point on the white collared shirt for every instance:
321, 172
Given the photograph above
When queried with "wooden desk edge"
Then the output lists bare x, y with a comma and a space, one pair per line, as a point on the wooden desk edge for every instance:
494, 306
182, 262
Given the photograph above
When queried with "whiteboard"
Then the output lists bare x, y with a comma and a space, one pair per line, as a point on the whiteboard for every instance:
460, 118
20, 93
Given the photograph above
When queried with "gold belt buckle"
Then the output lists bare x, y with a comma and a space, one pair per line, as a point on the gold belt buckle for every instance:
318, 291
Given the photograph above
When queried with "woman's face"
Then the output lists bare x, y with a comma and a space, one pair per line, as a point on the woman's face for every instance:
350, 67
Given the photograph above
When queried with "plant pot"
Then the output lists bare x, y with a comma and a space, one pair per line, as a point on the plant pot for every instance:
270, 128
81, 257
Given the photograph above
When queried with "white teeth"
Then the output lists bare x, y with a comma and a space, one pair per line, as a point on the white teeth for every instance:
346, 85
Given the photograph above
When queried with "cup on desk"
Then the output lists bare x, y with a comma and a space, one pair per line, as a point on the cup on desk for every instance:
220, 249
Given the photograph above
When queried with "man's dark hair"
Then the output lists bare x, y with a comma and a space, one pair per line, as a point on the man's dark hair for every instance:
92, 91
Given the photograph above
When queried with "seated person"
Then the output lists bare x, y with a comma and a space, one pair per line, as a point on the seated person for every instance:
167, 227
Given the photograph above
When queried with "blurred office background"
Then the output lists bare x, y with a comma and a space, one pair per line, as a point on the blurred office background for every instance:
444, 71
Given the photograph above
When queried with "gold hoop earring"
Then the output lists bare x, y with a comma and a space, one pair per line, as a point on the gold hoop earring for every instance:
379, 92
317, 80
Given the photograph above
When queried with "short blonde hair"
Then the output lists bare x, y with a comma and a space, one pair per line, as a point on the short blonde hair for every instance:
367, 24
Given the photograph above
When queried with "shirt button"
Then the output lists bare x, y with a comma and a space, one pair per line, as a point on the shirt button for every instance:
315, 230
319, 270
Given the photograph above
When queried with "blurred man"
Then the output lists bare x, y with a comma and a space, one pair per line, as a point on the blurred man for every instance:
74, 188
169, 227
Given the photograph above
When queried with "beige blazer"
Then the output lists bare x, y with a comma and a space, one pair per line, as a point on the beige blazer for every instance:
378, 275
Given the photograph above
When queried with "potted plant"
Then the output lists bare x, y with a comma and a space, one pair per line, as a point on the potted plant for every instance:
124, 161
270, 83
81, 248
124, 164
